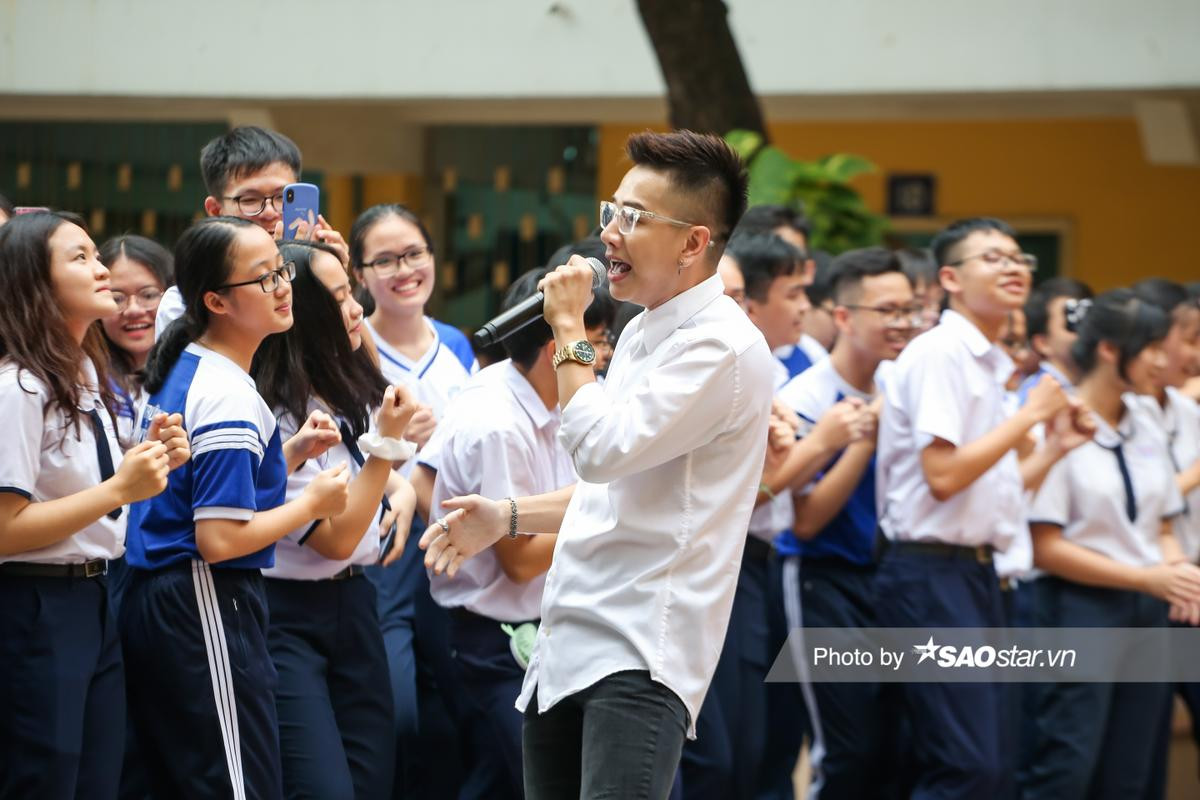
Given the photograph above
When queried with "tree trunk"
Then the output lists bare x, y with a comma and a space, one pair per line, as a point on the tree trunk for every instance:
707, 87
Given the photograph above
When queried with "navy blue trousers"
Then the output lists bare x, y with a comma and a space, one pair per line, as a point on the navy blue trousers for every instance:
430, 761
491, 680
855, 731
336, 731
725, 760
1095, 740
62, 691
958, 732
201, 682
786, 719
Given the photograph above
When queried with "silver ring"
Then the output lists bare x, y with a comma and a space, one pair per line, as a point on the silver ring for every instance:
445, 525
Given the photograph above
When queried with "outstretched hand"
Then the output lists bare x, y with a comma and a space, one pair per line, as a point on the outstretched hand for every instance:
472, 525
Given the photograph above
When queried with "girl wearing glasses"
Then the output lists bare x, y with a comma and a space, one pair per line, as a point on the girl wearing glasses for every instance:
392, 255
1101, 526
335, 713
193, 619
140, 270
63, 485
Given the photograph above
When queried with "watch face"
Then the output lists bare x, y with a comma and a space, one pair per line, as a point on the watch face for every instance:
585, 352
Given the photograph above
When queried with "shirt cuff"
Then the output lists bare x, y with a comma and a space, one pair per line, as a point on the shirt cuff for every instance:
586, 409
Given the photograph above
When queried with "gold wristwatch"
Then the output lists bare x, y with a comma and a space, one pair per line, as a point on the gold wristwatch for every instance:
580, 351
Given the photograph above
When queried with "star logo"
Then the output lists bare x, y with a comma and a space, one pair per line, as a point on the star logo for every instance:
927, 650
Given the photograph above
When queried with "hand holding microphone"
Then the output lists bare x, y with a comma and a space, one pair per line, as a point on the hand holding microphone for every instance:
564, 295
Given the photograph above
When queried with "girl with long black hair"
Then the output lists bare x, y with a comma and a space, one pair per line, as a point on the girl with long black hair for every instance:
335, 710
63, 488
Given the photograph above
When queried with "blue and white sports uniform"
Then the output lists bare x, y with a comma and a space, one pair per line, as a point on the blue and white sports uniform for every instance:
437, 375
829, 581
201, 681
415, 629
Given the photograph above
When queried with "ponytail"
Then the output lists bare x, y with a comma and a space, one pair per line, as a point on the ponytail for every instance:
202, 265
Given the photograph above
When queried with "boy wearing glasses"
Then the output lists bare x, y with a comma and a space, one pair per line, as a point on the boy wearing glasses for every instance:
669, 452
245, 172
949, 494
829, 569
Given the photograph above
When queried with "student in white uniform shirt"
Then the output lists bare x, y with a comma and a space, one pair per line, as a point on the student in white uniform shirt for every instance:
245, 171
830, 580
949, 493
724, 761
392, 256
1178, 417
669, 452
1102, 533
336, 733
63, 488
499, 439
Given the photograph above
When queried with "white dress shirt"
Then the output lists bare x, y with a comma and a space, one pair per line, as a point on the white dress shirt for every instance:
497, 439
1085, 493
669, 452
947, 384
1179, 421
44, 458
778, 513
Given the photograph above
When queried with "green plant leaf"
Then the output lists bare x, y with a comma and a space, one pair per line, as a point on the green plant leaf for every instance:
745, 143
841, 167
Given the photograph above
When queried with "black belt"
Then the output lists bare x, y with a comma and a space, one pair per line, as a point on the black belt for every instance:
980, 554
352, 571
28, 569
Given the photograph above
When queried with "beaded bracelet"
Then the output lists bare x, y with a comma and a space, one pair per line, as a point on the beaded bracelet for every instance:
512, 519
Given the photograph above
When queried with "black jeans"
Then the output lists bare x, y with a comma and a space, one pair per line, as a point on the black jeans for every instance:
619, 738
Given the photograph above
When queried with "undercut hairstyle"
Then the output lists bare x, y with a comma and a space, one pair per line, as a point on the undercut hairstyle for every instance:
1037, 307
945, 243
703, 166
244, 151
767, 218
763, 257
154, 257
314, 358
33, 330
603, 308
203, 263
1171, 297
1122, 319
850, 269
524, 345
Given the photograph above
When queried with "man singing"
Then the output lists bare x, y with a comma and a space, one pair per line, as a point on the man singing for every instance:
669, 452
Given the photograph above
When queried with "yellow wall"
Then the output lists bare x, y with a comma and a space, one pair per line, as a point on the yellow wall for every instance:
1126, 218
339, 201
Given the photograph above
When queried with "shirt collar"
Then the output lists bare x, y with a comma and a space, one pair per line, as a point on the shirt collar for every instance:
990, 353
1108, 437
659, 323
528, 398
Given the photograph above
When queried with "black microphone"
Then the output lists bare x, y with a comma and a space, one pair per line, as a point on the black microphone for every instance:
525, 312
